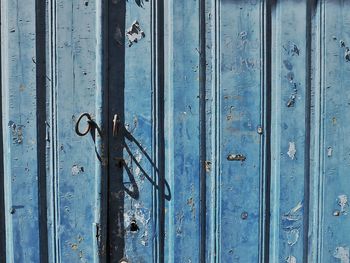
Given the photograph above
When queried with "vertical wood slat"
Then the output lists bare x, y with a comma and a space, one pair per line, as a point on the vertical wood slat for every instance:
330, 163
20, 136
2, 202
100, 225
290, 131
183, 117
240, 106
75, 162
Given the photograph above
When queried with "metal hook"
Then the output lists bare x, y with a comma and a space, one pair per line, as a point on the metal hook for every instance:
88, 128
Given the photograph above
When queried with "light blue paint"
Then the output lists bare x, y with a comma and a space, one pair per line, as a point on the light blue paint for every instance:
74, 88
290, 90
330, 169
20, 135
182, 134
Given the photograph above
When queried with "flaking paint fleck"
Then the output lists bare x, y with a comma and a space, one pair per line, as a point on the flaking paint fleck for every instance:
207, 166
140, 3
292, 150
293, 236
74, 246
76, 169
329, 151
134, 33
343, 203
291, 259
17, 132
347, 54
291, 224
342, 253
291, 101
179, 222
342, 43
291, 48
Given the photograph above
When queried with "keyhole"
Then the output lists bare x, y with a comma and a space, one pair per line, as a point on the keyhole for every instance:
133, 226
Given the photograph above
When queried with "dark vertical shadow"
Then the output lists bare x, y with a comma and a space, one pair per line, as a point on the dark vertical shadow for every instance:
159, 82
116, 83
118, 142
202, 129
269, 4
40, 61
2, 202
310, 8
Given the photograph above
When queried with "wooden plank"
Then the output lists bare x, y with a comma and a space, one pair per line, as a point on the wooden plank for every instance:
290, 131
238, 118
183, 134
74, 161
330, 241
2, 196
20, 136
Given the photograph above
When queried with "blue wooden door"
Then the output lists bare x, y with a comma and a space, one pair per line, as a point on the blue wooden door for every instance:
175, 131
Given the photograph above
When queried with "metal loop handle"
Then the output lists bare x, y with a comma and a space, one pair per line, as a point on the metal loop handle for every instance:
88, 128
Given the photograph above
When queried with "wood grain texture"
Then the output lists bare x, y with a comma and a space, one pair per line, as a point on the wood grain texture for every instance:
20, 135
290, 131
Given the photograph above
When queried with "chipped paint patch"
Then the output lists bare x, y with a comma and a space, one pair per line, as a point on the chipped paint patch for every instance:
207, 166
140, 3
347, 54
179, 222
291, 223
343, 203
329, 151
291, 49
292, 150
17, 132
291, 101
243, 35
297, 207
139, 213
293, 215
293, 236
334, 120
134, 33
136, 221
342, 253
74, 246
76, 169
291, 259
